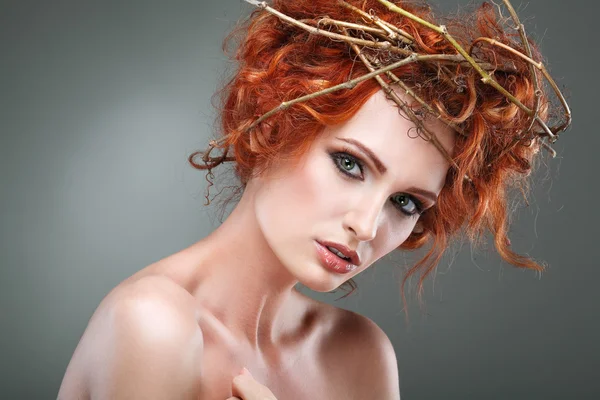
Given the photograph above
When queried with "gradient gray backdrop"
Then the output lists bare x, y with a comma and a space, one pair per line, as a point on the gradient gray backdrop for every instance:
101, 103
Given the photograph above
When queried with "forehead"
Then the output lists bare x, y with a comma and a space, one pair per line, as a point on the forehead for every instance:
381, 126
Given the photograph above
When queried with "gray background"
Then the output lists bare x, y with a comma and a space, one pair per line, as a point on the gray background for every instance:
100, 105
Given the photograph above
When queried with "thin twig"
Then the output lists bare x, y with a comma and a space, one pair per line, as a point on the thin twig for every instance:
535, 117
351, 25
404, 36
311, 29
402, 105
410, 92
536, 83
442, 30
345, 85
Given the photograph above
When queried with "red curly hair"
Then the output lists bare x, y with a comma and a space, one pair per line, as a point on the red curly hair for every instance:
278, 62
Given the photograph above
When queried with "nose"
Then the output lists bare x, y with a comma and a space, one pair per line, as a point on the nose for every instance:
362, 220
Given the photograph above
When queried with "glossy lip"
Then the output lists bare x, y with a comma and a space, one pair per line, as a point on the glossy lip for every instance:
332, 261
351, 254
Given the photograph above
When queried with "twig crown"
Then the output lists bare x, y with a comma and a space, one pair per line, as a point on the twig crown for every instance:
379, 37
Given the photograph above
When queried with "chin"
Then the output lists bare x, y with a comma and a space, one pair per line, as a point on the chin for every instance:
319, 280
321, 287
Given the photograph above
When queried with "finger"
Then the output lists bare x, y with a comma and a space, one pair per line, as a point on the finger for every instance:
233, 398
248, 388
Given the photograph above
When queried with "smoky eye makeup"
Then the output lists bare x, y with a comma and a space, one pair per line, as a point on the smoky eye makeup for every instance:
346, 160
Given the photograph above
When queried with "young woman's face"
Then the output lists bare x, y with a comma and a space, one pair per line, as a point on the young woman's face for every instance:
338, 193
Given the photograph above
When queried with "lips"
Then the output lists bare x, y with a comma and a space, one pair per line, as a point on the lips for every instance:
350, 254
332, 261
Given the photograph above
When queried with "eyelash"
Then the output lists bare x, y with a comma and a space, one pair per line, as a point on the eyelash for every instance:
348, 153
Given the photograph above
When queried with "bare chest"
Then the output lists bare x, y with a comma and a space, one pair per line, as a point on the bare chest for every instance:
299, 371
295, 376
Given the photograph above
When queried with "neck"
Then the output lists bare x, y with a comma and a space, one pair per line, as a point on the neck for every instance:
242, 283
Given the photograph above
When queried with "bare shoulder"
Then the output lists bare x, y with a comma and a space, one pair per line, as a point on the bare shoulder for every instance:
142, 337
367, 354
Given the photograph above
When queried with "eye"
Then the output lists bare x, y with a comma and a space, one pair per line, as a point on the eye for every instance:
347, 163
407, 204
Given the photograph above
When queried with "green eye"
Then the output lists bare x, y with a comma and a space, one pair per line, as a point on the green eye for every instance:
348, 164
402, 199
345, 163
406, 204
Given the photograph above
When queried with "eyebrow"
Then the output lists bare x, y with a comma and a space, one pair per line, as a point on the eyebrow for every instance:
380, 166
383, 169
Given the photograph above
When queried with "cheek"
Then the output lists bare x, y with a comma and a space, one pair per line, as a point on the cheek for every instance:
316, 185
392, 234
296, 196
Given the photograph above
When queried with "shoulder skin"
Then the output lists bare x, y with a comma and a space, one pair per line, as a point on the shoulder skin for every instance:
142, 342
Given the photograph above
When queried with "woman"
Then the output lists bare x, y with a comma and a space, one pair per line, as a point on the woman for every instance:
353, 166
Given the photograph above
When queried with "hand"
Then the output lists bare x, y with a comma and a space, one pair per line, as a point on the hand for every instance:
245, 387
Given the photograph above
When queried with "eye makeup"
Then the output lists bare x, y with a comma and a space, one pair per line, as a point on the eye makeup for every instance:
348, 154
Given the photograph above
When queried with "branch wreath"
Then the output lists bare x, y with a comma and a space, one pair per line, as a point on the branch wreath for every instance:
382, 36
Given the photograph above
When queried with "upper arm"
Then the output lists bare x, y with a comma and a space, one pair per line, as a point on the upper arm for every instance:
142, 342
370, 366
